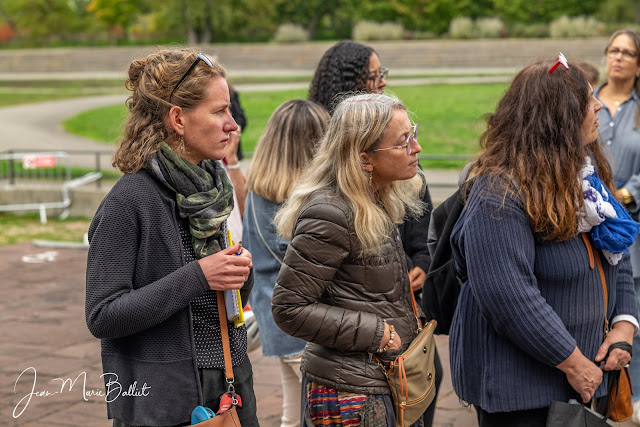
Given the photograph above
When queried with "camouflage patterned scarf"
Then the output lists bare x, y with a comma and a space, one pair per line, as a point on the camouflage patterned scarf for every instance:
204, 195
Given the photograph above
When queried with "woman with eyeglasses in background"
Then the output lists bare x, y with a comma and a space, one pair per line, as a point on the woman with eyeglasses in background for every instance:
347, 68
159, 249
620, 130
343, 286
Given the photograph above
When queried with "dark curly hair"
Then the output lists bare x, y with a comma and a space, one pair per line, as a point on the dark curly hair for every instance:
343, 69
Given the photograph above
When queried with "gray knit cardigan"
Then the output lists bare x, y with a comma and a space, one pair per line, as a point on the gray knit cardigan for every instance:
137, 302
526, 305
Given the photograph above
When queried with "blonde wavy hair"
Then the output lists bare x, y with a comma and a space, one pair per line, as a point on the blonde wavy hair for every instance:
357, 125
285, 148
151, 81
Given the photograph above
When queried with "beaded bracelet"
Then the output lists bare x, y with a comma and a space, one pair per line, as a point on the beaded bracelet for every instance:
392, 331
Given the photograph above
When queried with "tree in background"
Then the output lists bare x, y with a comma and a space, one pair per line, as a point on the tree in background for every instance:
43, 22
118, 15
38, 21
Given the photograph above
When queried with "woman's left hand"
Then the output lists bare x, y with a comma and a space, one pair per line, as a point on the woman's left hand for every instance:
618, 359
416, 278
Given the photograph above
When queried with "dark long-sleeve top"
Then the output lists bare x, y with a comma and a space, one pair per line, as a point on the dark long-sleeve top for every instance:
139, 290
526, 305
413, 233
622, 140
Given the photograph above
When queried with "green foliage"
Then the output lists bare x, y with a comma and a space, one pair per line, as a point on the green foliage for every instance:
368, 31
117, 14
55, 22
40, 20
290, 33
542, 10
461, 28
535, 30
579, 26
489, 28
619, 11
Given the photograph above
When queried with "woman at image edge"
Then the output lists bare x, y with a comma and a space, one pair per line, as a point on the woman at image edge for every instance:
529, 321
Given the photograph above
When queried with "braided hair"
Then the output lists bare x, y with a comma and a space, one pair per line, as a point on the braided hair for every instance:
343, 69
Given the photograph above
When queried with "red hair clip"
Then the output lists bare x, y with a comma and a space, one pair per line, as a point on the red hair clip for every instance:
561, 61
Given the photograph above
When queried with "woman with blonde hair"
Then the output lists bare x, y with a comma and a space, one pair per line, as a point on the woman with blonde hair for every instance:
159, 249
282, 156
343, 286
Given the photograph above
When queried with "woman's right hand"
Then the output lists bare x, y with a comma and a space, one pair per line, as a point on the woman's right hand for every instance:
386, 337
583, 375
226, 270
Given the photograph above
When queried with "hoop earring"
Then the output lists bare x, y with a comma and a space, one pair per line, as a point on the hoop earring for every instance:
181, 145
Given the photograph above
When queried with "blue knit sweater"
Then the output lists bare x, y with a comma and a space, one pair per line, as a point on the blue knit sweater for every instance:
525, 307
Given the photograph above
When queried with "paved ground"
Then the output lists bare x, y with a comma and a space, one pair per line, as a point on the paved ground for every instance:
44, 337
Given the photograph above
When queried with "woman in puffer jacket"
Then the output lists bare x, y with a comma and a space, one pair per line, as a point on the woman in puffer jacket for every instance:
344, 286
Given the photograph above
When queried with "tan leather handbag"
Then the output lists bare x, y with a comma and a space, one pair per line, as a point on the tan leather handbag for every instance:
411, 376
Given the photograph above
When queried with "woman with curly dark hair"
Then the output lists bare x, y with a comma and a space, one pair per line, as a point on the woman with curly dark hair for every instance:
346, 67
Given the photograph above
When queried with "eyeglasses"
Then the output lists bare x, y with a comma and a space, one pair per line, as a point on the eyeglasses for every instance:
626, 54
407, 144
201, 57
382, 75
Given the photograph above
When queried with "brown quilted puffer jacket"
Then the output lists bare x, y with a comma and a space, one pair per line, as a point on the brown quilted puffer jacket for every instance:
338, 301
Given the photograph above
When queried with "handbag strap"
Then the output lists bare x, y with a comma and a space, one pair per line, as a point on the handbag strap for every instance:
614, 376
414, 306
593, 255
226, 347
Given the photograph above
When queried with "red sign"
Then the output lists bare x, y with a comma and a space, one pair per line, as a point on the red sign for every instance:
38, 162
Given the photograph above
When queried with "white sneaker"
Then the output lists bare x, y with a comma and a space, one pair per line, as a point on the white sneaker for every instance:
635, 418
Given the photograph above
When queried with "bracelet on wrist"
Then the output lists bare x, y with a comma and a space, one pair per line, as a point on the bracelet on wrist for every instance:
392, 336
234, 166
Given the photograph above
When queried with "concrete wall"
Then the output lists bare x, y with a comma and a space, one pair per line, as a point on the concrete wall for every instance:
260, 59
84, 200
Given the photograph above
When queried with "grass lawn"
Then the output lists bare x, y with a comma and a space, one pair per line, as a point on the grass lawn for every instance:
14, 92
450, 117
18, 229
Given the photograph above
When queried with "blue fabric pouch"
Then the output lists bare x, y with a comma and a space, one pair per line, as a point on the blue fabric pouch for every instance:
200, 414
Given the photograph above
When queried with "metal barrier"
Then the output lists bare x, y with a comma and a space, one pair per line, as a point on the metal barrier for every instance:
55, 166
10, 168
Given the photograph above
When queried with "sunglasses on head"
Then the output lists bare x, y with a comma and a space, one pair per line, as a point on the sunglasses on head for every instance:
201, 57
